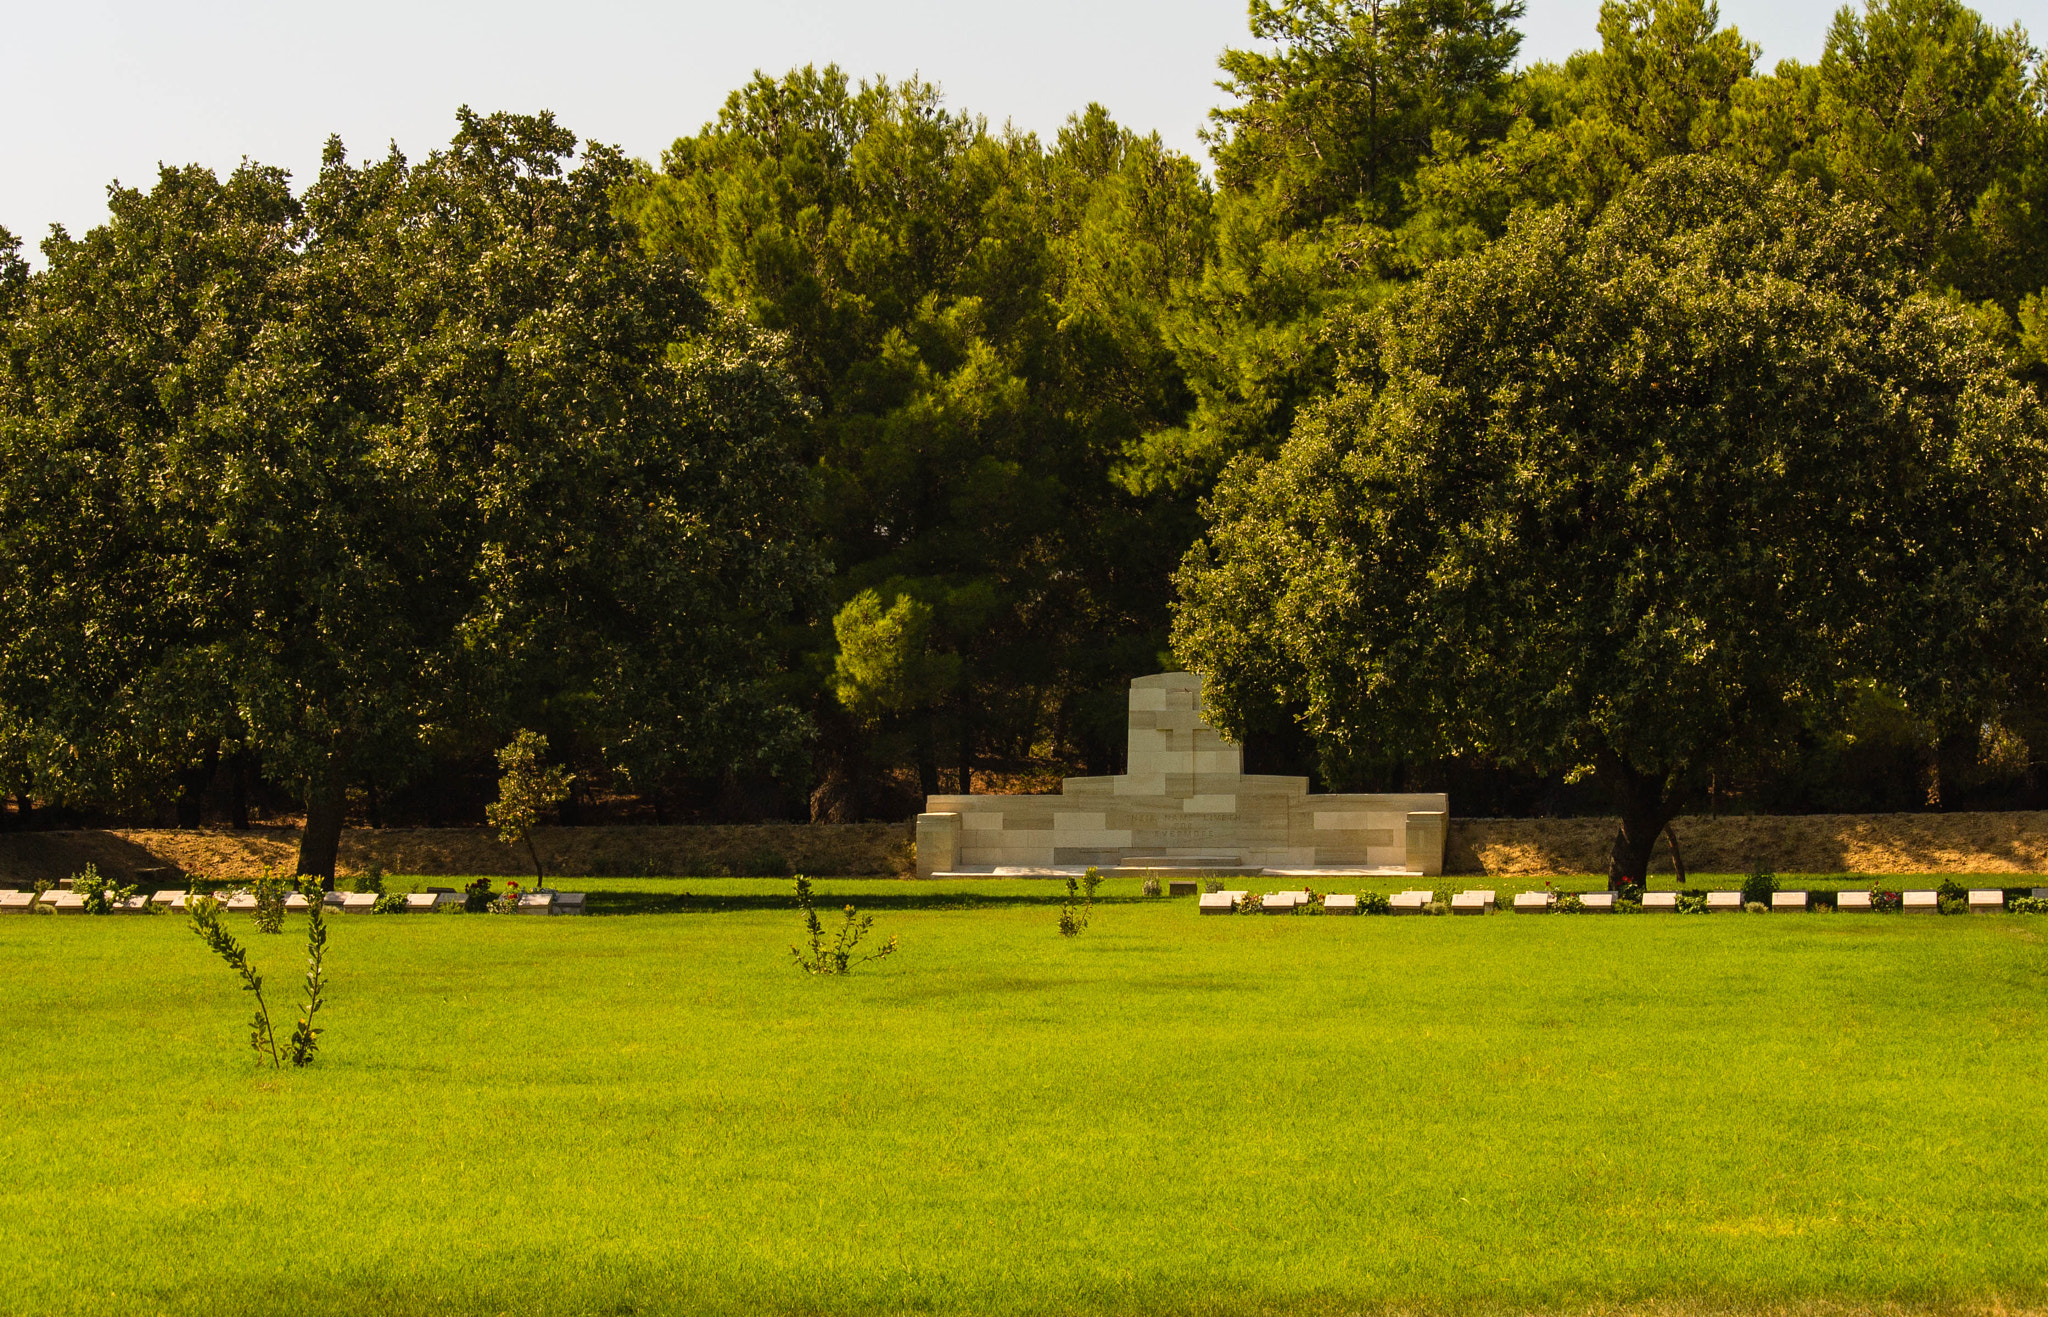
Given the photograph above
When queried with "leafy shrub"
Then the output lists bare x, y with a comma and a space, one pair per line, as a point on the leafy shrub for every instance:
839, 957
1252, 904
2028, 905
1885, 902
1073, 920
270, 891
1692, 903
1952, 898
1568, 903
1756, 907
1375, 903
1622, 907
1213, 886
1759, 887
391, 903
508, 903
477, 897
100, 893
1151, 887
371, 880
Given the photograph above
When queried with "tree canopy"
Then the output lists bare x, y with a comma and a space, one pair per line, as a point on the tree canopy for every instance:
335, 481
848, 452
1641, 496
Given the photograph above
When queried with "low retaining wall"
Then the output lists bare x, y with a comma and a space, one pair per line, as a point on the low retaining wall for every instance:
1786, 843
1511, 848
827, 849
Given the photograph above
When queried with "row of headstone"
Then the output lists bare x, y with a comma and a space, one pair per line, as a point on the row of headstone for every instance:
360, 903
1482, 901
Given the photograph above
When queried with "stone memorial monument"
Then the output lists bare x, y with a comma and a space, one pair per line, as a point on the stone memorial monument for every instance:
1186, 805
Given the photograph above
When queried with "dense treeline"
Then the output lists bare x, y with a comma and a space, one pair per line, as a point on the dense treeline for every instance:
855, 450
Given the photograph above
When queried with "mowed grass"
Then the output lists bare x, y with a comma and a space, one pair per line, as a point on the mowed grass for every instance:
1169, 1114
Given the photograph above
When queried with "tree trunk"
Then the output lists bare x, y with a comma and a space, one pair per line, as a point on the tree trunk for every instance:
841, 795
1677, 860
927, 759
238, 791
326, 807
539, 878
192, 784
1955, 755
1646, 806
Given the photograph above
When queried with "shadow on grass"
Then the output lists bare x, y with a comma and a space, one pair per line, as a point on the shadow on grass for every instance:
674, 903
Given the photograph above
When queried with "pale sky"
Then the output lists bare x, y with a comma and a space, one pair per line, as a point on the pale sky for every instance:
95, 90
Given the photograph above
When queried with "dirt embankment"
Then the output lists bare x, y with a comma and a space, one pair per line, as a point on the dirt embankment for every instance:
842, 850
1791, 843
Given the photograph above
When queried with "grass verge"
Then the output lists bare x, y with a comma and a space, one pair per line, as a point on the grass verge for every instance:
1168, 1114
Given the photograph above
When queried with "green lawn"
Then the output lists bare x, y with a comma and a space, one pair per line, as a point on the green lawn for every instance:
1170, 1114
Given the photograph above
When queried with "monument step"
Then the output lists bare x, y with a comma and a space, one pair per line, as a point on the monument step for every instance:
1179, 861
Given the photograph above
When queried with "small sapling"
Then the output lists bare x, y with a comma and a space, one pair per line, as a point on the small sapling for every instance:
838, 957
270, 893
306, 1035
205, 921
526, 788
1074, 920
